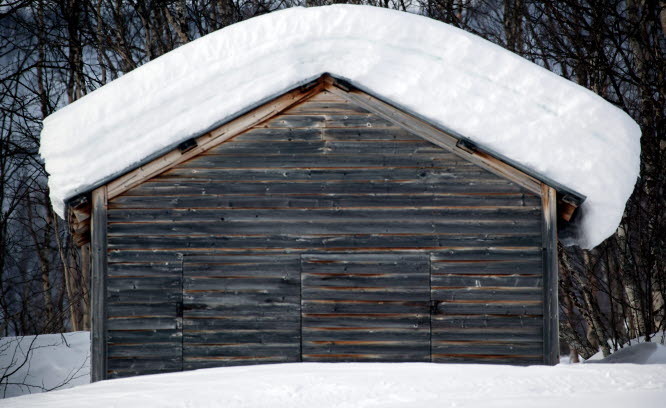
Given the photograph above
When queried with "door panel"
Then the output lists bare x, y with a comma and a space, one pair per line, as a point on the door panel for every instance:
365, 307
240, 309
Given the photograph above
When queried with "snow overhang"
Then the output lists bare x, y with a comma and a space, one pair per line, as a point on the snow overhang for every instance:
539, 122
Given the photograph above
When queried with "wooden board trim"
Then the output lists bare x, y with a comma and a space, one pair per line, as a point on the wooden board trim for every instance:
98, 346
213, 138
551, 343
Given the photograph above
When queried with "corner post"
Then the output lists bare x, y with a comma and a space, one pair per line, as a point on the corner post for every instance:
551, 342
98, 254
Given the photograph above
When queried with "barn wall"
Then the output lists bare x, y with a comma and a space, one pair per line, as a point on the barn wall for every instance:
237, 240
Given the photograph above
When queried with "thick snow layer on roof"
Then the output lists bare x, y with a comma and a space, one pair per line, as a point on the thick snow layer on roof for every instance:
452, 78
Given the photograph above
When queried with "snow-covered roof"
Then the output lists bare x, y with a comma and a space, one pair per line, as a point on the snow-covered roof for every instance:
452, 78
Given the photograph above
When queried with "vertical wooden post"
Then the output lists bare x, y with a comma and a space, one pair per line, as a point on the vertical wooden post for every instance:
85, 283
98, 285
551, 342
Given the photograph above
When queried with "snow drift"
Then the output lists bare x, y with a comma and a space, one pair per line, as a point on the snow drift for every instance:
454, 79
358, 385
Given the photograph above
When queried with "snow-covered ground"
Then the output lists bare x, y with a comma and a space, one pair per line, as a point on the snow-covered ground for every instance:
47, 362
315, 385
636, 352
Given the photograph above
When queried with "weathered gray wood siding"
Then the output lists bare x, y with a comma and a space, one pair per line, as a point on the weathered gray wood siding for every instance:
229, 257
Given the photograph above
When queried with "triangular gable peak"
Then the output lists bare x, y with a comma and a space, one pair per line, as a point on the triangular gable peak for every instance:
567, 200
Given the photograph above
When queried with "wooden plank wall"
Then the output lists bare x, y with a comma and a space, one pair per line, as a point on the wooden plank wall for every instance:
241, 309
366, 307
324, 177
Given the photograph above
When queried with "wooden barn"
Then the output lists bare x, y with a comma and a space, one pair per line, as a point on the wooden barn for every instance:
324, 225
324, 222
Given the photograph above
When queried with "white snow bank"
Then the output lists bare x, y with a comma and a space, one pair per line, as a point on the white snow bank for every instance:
642, 353
358, 385
636, 351
454, 79
44, 362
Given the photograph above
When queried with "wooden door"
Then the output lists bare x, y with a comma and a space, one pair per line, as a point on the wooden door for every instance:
241, 309
365, 307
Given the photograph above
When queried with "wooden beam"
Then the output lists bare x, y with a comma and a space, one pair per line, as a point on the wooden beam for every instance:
551, 343
98, 285
433, 135
213, 138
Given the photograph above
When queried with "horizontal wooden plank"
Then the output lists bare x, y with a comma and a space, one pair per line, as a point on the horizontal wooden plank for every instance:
191, 351
329, 334
417, 175
511, 335
121, 258
368, 134
485, 322
258, 310
490, 294
328, 121
277, 284
141, 364
387, 357
325, 147
468, 255
191, 336
142, 309
349, 201
147, 269
202, 261
324, 96
269, 135
281, 187
142, 323
340, 107
116, 284
420, 307
406, 322
462, 253
249, 272
366, 279
375, 293
484, 281
407, 215
156, 350
349, 241
320, 161
227, 298
289, 227
152, 295
142, 336
488, 267
357, 262
287, 323
489, 307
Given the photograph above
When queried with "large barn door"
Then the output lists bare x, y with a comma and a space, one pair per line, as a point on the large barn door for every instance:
365, 307
240, 309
